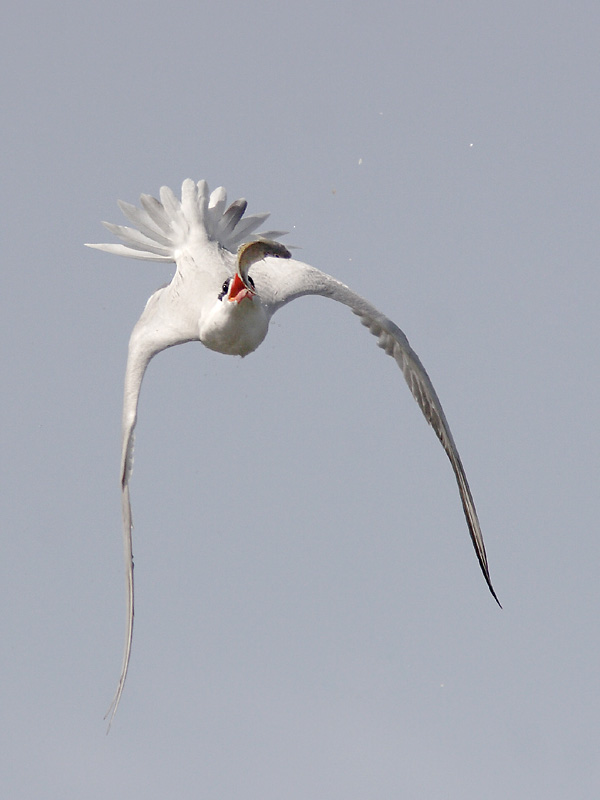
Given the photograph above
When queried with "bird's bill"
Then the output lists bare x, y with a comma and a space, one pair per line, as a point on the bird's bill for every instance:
239, 289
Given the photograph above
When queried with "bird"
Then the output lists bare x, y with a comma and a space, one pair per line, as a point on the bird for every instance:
213, 298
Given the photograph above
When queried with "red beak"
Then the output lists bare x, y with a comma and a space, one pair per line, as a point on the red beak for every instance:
238, 290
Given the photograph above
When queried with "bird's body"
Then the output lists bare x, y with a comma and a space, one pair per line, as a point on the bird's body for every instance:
227, 303
235, 330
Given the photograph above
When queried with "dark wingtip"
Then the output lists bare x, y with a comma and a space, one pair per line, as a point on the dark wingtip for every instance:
494, 595
489, 584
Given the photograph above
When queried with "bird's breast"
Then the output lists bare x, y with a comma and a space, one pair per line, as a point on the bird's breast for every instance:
234, 329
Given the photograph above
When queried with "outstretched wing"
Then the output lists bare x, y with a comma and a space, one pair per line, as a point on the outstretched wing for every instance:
279, 282
152, 333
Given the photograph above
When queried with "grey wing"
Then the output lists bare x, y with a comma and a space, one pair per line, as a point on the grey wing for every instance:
150, 336
280, 281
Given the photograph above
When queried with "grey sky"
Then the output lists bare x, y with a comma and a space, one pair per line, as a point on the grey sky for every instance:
311, 621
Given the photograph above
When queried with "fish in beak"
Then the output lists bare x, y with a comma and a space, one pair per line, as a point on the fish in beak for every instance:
242, 285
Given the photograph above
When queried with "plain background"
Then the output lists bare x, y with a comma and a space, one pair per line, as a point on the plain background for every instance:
311, 621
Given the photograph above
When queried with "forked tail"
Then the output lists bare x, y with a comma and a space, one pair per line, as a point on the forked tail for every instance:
163, 226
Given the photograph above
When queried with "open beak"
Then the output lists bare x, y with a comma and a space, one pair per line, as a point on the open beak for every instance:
239, 288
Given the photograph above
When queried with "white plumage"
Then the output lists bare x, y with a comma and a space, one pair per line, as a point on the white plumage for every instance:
226, 303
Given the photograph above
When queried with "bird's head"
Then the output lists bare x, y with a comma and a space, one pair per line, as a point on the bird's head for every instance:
241, 286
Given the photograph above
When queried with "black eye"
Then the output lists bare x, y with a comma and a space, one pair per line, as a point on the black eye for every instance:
251, 282
224, 289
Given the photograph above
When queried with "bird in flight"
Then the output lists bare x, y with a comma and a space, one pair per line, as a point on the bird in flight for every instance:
229, 281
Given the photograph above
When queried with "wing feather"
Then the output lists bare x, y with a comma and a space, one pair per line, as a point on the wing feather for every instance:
281, 281
152, 334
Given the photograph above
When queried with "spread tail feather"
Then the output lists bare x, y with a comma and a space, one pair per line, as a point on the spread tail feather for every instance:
163, 226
